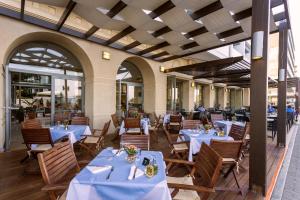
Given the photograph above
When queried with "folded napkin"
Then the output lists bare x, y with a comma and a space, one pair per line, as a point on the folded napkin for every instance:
117, 152
138, 172
97, 169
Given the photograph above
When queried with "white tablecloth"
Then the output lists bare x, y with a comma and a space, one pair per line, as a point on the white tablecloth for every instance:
144, 124
196, 138
227, 125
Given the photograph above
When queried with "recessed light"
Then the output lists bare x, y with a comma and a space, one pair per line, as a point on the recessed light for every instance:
199, 21
238, 22
222, 40
158, 19
231, 12
147, 11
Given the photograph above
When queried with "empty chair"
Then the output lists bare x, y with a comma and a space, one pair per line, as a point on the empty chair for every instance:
237, 132
80, 121
175, 120
36, 140
191, 124
216, 117
93, 143
140, 141
208, 165
132, 126
56, 164
230, 151
31, 123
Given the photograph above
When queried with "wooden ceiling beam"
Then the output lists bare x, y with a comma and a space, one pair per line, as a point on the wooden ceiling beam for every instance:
207, 10
161, 31
230, 32
22, 9
164, 53
116, 9
132, 45
120, 35
242, 14
196, 32
189, 45
233, 80
66, 13
153, 48
165, 7
224, 74
91, 31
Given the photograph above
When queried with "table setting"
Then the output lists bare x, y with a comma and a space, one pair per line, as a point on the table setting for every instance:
204, 134
114, 174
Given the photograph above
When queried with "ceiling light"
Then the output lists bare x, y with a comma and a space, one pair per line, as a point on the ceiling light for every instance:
191, 38
150, 32
158, 19
222, 40
147, 11
231, 12
199, 21
103, 10
257, 45
183, 33
238, 22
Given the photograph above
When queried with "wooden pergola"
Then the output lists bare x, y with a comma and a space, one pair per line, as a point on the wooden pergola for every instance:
168, 42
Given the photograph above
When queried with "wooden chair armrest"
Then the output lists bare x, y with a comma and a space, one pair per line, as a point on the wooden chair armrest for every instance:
190, 187
53, 187
182, 142
83, 163
179, 161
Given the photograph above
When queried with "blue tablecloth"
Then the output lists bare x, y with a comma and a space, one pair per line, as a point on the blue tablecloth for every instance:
87, 185
74, 132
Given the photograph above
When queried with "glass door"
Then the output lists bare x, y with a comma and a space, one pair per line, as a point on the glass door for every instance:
67, 99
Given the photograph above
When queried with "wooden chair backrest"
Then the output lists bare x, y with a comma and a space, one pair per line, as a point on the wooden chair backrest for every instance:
237, 132
31, 123
132, 123
57, 162
168, 136
140, 141
36, 136
190, 124
227, 149
80, 121
115, 120
247, 131
216, 117
190, 116
105, 128
208, 165
175, 118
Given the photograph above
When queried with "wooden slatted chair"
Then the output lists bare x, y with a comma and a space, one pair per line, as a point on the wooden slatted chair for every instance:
80, 121
216, 117
179, 149
237, 132
207, 168
230, 151
132, 126
58, 166
140, 141
94, 143
31, 123
190, 124
175, 123
116, 124
37, 140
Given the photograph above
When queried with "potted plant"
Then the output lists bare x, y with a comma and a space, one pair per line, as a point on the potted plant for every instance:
30, 110
131, 151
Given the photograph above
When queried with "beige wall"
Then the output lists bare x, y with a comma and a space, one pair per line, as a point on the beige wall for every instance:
246, 97
100, 75
188, 96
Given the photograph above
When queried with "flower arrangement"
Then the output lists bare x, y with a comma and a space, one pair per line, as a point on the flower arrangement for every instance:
207, 126
131, 149
66, 124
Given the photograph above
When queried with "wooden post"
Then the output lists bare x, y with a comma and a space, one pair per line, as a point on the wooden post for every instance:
282, 84
258, 100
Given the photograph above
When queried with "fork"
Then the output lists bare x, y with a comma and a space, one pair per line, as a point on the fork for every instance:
111, 170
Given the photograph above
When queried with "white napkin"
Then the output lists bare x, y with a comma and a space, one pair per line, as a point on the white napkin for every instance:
138, 172
114, 151
97, 169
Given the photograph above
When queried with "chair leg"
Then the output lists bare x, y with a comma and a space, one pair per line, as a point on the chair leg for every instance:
229, 170
237, 182
24, 159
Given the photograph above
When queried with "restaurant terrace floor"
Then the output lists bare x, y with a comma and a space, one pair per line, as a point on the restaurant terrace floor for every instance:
14, 184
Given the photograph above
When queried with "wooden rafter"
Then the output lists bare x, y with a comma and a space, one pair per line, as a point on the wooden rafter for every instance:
224, 74
242, 14
91, 31
116, 9
230, 32
165, 7
196, 32
153, 48
189, 45
120, 35
164, 53
22, 9
207, 10
66, 14
161, 31
132, 45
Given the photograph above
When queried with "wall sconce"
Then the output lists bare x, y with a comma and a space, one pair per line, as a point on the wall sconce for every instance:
212, 87
226, 90
281, 75
161, 69
193, 84
257, 45
105, 55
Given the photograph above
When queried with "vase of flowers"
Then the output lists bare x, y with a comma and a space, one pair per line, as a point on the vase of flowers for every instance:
131, 151
66, 124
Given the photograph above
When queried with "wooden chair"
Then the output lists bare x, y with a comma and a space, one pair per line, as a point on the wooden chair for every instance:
140, 141
80, 121
216, 117
132, 126
190, 124
94, 143
179, 149
207, 168
175, 123
37, 140
57, 164
230, 151
31, 123
116, 124
237, 132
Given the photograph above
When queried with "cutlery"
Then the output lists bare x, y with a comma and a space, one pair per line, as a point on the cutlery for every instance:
134, 172
111, 170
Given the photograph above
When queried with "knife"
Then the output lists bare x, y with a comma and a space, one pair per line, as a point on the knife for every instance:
111, 170
134, 172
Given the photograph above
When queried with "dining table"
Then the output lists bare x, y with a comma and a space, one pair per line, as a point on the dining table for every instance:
197, 136
73, 132
145, 123
226, 125
110, 176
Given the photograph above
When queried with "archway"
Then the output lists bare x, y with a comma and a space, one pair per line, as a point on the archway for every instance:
138, 84
45, 78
